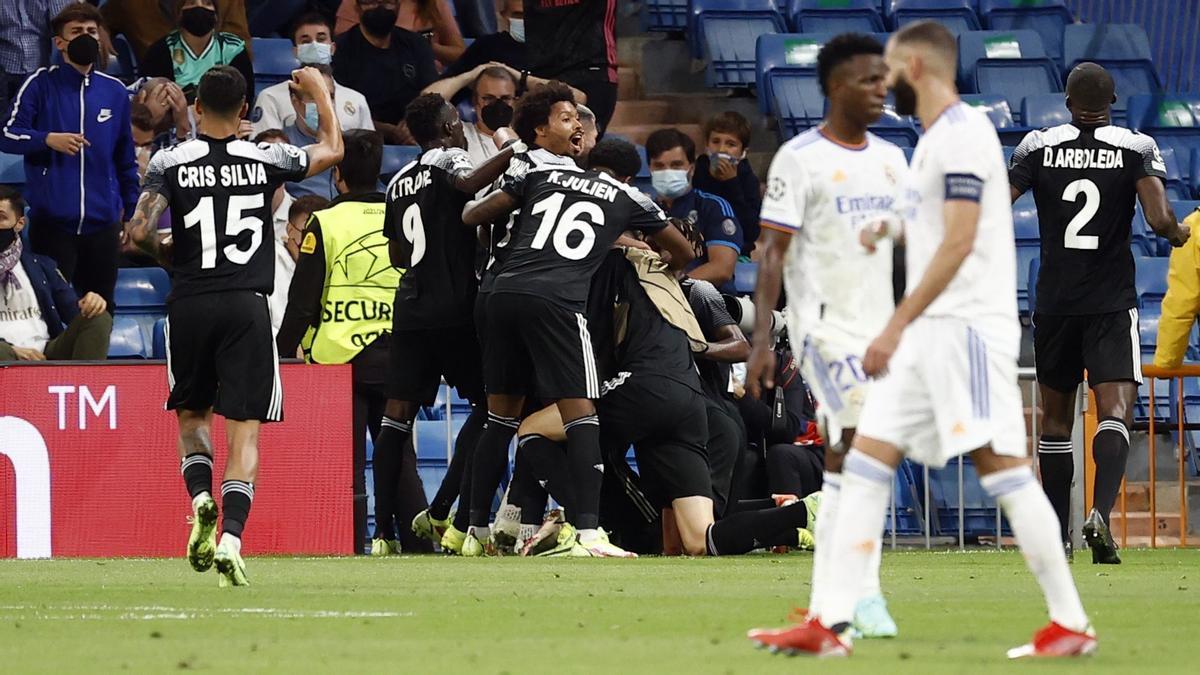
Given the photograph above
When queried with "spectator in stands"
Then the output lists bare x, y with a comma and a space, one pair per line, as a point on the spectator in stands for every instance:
24, 42
41, 317
302, 132
575, 41
80, 164
144, 22
506, 46
312, 37
297, 220
389, 65
161, 118
269, 18
431, 19
186, 53
672, 156
1181, 304
725, 172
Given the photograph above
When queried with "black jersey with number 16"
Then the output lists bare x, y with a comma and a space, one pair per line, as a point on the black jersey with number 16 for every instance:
568, 221
1084, 181
219, 192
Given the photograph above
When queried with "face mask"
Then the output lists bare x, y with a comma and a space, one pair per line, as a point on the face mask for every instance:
496, 114
198, 20
670, 183
83, 50
516, 28
7, 237
311, 118
378, 21
315, 52
906, 97
718, 156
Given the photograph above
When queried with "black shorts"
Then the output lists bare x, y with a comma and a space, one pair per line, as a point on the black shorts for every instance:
1107, 346
666, 423
537, 348
221, 355
421, 358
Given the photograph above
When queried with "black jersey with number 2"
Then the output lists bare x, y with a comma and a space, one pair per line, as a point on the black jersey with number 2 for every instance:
219, 192
1084, 181
424, 216
568, 220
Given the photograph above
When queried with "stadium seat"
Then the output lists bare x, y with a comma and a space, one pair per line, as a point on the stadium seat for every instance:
898, 129
1123, 50
125, 55
835, 16
979, 511
784, 55
956, 15
396, 157
996, 108
274, 61
126, 340
725, 32
1046, 17
476, 18
158, 342
1175, 176
12, 170
429, 440
1044, 110
1027, 252
796, 102
1012, 64
1151, 282
141, 290
1143, 240
908, 511
1025, 219
1192, 167
745, 276
1031, 279
664, 15
1172, 119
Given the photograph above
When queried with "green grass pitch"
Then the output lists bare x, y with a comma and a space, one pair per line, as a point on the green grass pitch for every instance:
957, 612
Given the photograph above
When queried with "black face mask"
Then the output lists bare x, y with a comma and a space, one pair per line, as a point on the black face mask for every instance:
378, 21
906, 97
7, 237
496, 114
198, 20
83, 50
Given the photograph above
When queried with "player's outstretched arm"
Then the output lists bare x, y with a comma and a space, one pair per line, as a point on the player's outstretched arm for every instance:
327, 151
487, 173
143, 226
495, 205
1159, 214
671, 240
760, 370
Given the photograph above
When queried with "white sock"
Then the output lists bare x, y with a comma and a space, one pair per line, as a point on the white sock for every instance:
233, 541
831, 491
590, 534
870, 583
526, 532
199, 498
857, 535
1036, 528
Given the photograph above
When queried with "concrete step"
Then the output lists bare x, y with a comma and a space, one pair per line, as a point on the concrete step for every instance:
1140, 524
629, 84
630, 49
643, 112
672, 70
637, 133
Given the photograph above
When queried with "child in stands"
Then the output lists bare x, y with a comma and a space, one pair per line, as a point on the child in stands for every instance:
724, 171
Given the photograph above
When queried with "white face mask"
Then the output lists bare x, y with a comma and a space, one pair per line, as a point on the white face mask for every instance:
315, 52
516, 28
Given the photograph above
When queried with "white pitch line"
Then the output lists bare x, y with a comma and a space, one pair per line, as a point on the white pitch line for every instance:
151, 612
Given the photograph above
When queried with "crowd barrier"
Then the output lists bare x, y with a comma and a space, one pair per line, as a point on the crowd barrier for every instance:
89, 466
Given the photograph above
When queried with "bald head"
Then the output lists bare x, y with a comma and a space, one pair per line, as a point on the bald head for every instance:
1090, 88
936, 45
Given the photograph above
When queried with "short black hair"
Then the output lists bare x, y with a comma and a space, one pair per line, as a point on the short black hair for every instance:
268, 135
533, 110
424, 118
1091, 86
664, 139
222, 91
618, 156
363, 158
310, 19
76, 11
13, 197
840, 50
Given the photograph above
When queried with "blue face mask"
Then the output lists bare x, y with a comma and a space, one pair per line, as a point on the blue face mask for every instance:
670, 183
311, 118
314, 52
516, 28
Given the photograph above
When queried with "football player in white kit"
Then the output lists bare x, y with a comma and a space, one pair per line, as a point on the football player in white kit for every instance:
824, 186
947, 360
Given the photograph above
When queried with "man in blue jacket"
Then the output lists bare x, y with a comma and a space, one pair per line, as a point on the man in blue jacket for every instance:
40, 316
71, 122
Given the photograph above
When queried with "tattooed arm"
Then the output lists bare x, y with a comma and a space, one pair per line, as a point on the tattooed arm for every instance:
143, 226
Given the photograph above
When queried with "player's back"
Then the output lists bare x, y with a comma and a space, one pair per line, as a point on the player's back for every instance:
219, 192
424, 217
1084, 181
960, 158
568, 221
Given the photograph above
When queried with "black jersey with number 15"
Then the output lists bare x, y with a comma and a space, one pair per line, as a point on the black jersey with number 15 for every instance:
219, 192
1084, 181
568, 221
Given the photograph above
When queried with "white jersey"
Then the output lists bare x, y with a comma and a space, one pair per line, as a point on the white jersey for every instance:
824, 192
960, 157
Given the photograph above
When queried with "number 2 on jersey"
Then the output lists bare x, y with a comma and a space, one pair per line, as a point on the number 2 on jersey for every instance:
566, 224
235, 223
1091, 206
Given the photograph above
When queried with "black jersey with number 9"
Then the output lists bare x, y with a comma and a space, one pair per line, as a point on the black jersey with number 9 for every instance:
1084, 181
219, 192
568, 221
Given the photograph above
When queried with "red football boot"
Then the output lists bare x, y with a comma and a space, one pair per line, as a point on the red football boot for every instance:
1056, 641
809, 638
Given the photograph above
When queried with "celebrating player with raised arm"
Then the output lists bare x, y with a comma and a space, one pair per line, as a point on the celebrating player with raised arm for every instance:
221, 354
947, 360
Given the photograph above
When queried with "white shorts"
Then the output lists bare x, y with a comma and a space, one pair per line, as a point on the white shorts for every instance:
832, 368
951, 388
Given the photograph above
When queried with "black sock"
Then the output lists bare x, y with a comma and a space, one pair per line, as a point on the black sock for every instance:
586, 465
462, 517
489, 463
747, 530
197, 473
388, 449
236, 496
464, 446
1056, 462
526, 490
410, 500
548, 463
1110, 450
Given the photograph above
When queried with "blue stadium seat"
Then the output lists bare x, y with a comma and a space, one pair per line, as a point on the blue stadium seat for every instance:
908, 511
125, 55
1011, 64
395, 157
664, 15
1031, 279
785, 55
141, 290
1123, 50
1025, 219
12, 170
1046, 17
898, 129
1151, 282
797, 103
996, 108
745, 276
274, 61
956, 15
979, 510
1175, 176
1193, 166
725, 32
126, 340
1148, 334
835, 16
158, 343
1143, 240
1044, 110
1183, 209
1027, 252
1174, 121
429, 440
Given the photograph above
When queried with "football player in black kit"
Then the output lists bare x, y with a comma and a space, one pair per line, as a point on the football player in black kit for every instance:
536, 340
220, 351
1085, 176
433, 334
